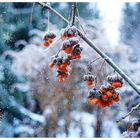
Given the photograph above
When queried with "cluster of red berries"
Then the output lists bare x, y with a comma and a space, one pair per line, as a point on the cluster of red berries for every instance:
89, 79
48, 38
62, 65
70, 46
106, 95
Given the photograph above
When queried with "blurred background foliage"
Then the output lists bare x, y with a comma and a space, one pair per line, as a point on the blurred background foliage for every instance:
33, 106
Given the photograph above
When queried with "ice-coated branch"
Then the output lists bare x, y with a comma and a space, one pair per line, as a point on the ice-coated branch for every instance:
133, 109
92, 45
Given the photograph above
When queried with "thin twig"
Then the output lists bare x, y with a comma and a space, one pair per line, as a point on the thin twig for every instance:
81, 26
78, 19
58, 52
54, 11
94, 60
45, 50
100, 68
48, 18
89, 64
133, 109
103, 55
31, 16
73, 13
70, 14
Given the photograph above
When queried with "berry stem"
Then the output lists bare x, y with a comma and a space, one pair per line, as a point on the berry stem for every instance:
89, 67
45, 50
58, 51
73, 13
78, 20
100, 68
94, 60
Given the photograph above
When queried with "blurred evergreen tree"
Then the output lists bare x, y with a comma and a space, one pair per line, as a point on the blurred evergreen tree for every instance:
15, 25
15, 19
10, 96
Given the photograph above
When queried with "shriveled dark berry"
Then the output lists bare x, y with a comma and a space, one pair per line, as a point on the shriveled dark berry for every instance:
94, 93
77, 49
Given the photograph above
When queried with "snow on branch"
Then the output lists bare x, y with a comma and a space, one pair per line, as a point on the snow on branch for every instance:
133, 109
103, 55
9, 103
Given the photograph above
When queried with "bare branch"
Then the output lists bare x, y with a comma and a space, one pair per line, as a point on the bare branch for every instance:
73, 13
103, 55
